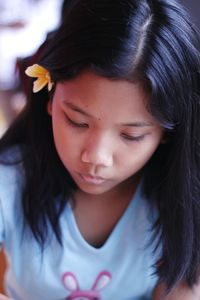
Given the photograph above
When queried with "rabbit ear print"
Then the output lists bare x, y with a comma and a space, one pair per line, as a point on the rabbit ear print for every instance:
70, 282
102, 280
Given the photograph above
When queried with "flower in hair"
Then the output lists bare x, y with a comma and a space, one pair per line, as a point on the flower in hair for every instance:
42, 75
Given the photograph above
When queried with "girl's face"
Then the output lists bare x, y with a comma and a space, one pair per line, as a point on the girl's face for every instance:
102, 130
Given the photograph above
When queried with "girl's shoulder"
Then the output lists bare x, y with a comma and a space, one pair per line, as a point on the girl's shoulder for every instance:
11, 190
11, 154
11, 164
11, 175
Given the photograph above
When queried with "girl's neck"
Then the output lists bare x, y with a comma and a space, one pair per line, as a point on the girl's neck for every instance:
97, 215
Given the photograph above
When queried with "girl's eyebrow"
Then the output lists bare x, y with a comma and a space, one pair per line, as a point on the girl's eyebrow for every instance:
81, 111
138, 124
76, 108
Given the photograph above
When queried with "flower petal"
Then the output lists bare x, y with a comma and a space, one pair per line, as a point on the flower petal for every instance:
42, 75
36, 71
39, 84
50, 85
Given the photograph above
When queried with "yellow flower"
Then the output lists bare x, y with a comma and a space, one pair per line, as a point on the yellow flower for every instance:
42, 75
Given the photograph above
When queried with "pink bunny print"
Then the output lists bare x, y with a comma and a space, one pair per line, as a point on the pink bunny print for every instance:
72, 285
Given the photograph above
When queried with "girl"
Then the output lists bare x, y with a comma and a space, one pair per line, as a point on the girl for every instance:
99, 179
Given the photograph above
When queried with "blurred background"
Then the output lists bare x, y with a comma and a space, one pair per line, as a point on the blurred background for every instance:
25, 26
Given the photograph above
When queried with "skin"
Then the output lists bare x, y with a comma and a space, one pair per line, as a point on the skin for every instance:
104, 136
89, 117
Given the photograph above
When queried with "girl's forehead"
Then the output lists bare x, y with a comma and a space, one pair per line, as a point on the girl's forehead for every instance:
89, 85
102, 98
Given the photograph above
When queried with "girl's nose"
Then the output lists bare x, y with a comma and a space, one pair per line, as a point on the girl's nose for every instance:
98, 153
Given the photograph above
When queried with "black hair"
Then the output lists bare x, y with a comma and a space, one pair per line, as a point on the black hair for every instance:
150, 41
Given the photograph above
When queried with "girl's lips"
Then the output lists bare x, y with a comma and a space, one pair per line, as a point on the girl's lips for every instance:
92, 179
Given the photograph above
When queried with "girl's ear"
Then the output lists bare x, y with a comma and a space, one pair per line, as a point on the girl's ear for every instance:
166, 138
49, 107
164, 141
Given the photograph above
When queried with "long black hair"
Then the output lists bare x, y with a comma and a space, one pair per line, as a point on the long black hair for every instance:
151, 41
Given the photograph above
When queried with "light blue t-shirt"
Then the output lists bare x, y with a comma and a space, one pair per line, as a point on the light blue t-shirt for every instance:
122, 269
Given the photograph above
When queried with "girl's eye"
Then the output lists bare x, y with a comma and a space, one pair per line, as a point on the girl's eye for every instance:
133, 138
75, 124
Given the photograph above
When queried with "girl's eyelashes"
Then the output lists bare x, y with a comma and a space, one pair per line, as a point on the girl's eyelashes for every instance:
76, 124
133, 138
